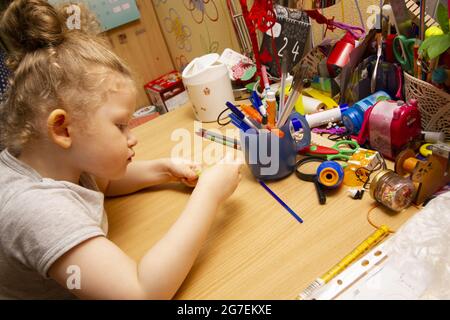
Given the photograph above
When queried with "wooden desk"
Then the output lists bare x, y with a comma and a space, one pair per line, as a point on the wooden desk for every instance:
255, 248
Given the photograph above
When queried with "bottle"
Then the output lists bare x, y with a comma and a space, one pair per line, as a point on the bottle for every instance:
353, 117
392, 190
271, 108
340, 55
321, 118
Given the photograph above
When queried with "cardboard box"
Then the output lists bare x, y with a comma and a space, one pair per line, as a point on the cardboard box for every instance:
167, 92
143, 115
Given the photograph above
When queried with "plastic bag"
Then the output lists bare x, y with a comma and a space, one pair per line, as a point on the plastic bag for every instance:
425, 242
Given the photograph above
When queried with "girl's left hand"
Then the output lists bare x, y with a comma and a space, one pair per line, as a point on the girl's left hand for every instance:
184, 171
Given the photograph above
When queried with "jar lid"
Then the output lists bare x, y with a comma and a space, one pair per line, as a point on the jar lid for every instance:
376, 179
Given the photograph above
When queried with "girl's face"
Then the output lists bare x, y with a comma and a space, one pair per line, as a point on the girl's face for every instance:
105, 148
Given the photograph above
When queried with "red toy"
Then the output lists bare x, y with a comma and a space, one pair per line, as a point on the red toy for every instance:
390, 126
340, 55
167, 92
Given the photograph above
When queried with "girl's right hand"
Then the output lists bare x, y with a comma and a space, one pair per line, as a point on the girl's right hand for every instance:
223, 178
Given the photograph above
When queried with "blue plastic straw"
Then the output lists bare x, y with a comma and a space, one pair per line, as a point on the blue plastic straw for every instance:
281, 202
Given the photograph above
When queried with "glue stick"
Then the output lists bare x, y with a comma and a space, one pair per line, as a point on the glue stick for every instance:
271, 108
321, 118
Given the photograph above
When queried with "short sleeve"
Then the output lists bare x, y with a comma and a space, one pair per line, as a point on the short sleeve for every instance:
39, 226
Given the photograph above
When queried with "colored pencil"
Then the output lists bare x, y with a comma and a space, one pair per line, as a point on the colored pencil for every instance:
234, 143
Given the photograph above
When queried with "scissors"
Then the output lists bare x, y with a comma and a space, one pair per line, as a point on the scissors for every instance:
402, 44
339, 151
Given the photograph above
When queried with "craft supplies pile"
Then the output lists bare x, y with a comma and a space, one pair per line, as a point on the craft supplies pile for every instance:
337, 112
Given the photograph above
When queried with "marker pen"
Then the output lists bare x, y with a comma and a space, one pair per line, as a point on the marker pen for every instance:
240, 115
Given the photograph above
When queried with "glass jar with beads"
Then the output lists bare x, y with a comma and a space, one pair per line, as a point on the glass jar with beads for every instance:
392, 190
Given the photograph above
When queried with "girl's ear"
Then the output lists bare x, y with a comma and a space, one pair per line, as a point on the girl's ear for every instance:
57, 126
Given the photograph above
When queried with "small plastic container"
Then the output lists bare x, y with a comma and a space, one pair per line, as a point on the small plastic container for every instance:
392, 190
353, 117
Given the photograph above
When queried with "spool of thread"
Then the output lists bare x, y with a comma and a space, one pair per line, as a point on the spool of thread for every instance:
330, 174
392, 190
433, 137
409, 164
321, 118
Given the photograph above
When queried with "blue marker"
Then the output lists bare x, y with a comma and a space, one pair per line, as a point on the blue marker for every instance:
259, 106
238, 123
240, 115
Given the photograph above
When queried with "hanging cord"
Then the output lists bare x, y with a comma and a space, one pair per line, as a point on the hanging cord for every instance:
356, 32
377, 226
219, 118
370, 220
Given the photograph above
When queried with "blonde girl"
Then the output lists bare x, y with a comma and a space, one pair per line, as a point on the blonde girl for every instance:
65, 128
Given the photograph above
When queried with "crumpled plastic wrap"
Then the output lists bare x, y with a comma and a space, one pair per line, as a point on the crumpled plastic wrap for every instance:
421, 248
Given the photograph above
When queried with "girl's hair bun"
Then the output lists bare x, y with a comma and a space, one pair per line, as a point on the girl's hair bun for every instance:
29, 25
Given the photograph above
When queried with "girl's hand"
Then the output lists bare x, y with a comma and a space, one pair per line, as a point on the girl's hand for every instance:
223, 178
184, 171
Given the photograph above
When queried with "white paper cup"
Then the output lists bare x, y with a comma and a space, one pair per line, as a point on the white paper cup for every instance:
208, 86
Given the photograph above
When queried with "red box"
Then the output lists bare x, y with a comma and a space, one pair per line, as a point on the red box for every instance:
167, 92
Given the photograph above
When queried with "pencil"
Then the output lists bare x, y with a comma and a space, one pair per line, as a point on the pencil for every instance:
416, 59
215, 137
281, 202
422, 20
283, 86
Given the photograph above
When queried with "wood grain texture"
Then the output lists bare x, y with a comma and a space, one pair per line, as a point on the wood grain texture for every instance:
255, 249
142, 46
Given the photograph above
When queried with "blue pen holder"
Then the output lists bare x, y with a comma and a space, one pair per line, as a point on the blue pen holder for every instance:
270, 157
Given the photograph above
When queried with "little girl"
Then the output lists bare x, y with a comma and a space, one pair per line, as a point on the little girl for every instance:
64, 126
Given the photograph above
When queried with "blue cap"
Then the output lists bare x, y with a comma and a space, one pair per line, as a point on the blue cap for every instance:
353, 119
296, 124
343, 107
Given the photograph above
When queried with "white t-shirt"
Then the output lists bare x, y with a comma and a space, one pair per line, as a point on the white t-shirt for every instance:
40, 220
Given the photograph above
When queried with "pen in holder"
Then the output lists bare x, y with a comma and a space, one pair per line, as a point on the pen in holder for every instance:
270, 157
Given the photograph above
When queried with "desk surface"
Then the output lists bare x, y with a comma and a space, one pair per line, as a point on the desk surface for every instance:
255, 248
